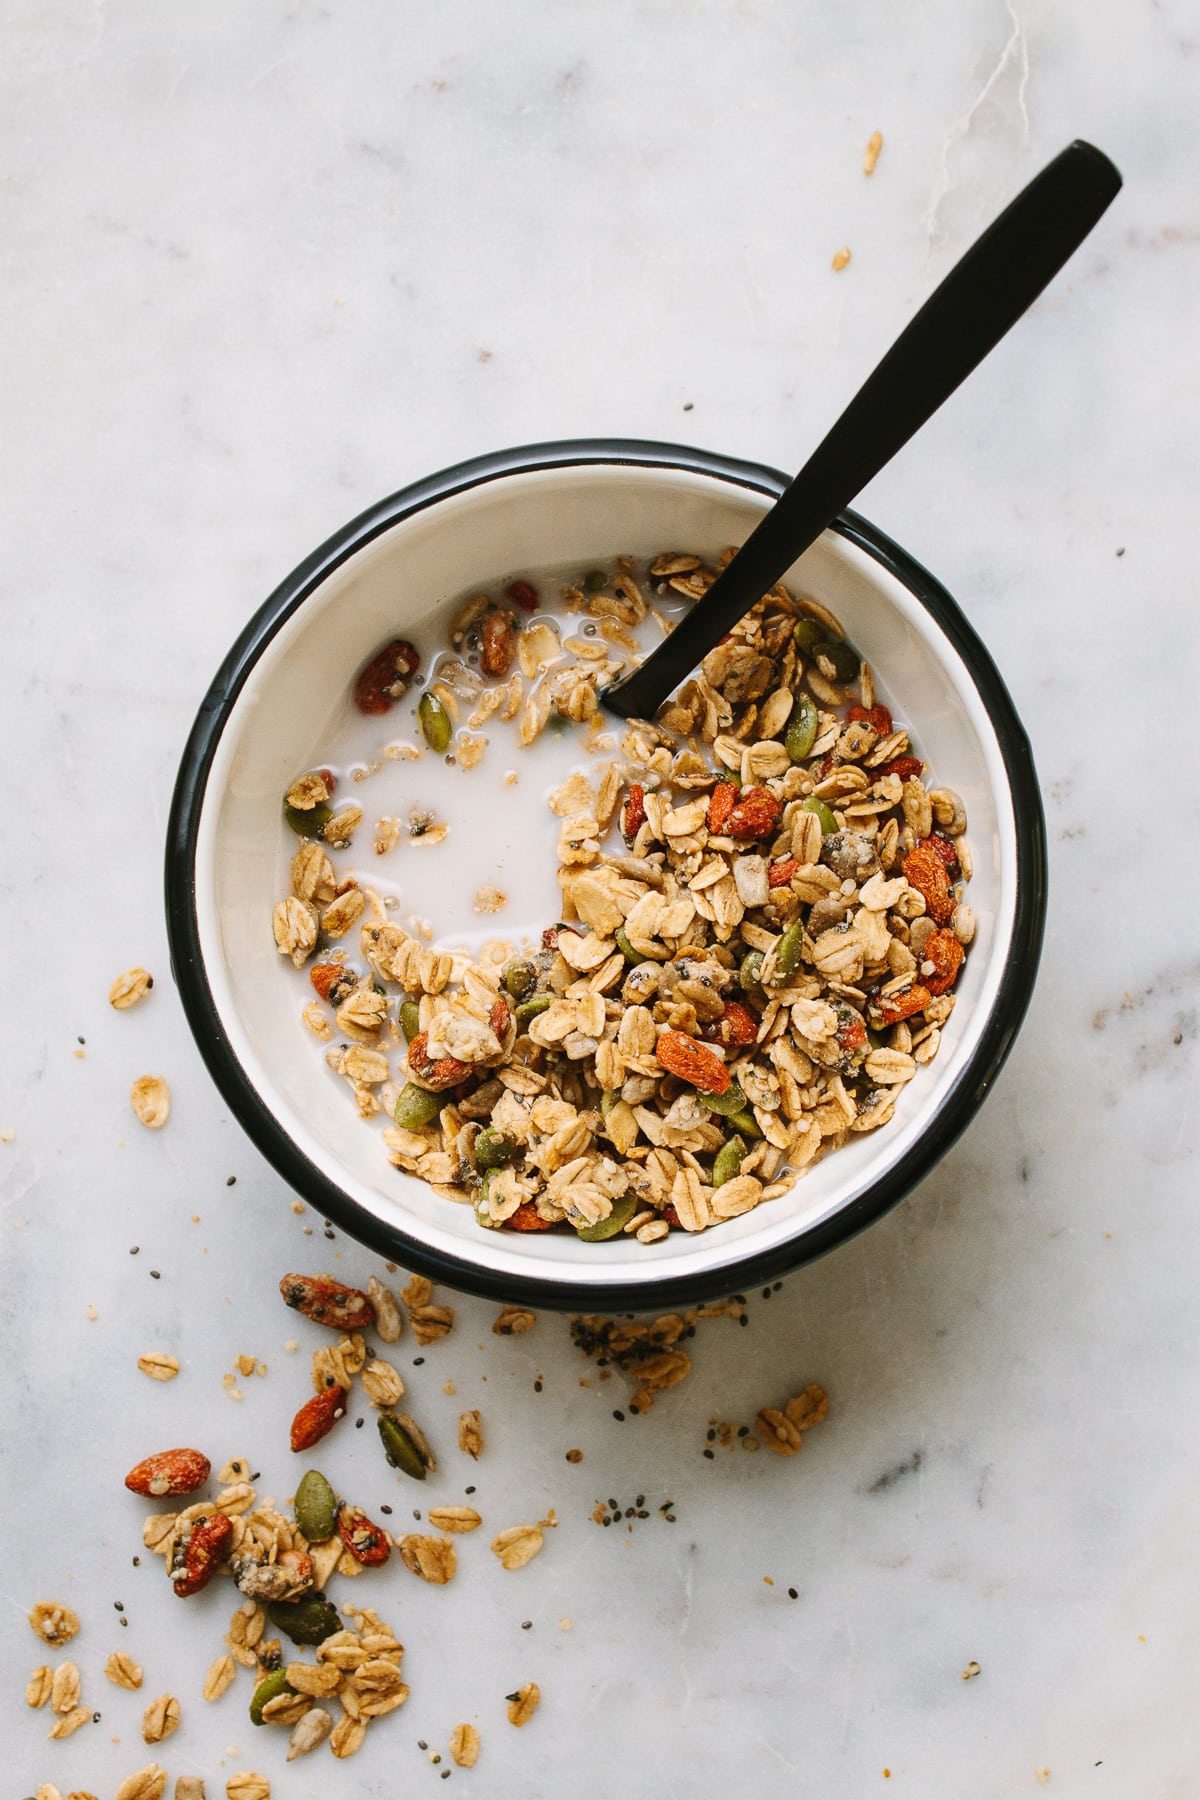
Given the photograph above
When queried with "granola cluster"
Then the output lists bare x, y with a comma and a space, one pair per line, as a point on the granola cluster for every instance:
761, 924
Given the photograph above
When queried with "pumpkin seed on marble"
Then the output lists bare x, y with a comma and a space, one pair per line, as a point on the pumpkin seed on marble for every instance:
315, 1507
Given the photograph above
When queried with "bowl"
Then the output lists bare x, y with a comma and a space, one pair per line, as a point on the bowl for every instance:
395, 570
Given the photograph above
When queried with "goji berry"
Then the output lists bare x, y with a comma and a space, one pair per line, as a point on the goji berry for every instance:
851, 1032
902, 1005
169, 1472
366, 1543
522, 594
755, 815
434, 1073
318, 1416
903, 766
779, 874
550, 938
500, 1017
737, 1025
877, 717
527, 1218
328, 1302
947, 955
333, 981
692, 1062
945, 848
721, 803
925, 870
497, 641
202, 1554
382, 681
671, 1216
634, 815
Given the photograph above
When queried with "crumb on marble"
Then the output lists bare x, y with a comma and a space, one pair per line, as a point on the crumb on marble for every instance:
871, 153
840, 260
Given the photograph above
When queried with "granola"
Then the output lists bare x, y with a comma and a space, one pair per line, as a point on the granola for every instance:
762, 920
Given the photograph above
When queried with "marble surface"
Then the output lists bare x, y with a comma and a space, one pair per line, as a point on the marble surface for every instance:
265, 263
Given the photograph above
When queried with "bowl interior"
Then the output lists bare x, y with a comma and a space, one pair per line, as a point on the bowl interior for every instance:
402, 583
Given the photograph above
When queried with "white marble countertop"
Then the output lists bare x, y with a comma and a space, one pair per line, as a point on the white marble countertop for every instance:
266, 263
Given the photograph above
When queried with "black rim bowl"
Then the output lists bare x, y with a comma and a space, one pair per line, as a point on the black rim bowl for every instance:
979, 1070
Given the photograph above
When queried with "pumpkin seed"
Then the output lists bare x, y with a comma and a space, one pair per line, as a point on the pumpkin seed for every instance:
401, 1452
315, 1507
417, 1107
410, 1019
750, 972
806, 632
307, 1621
308, 824
801, 732
622, 1211
434, 721
842, 657
632, 957
731, 1101
788, 953
520, 978
594, 581
745, 1124
608, 1100
271, 1686
823, 815
529, 1009
728, 1160
495, 1149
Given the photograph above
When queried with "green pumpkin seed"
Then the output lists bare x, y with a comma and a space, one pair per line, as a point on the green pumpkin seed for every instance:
529, 1009
788, 953
417, 1107
728, 1160
520, 978
843, 657
308, 824
622, 1211
745, 1124
825, 818
269, 1688
435, 723
609, 1099
731, 1101
594, 580
801, 732
315, 1507
401, 1452
307, 1621
494, 1149
750, 972
410, 1019
807, 631
632, 957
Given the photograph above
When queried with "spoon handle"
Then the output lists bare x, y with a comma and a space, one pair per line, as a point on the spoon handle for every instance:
985, 293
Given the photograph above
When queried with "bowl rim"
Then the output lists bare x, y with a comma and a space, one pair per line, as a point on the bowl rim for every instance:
308, 1180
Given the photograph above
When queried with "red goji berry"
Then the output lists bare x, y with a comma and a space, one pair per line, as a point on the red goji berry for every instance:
634, 815
692, 1062
203, 1553
366, 1543
737, 1025
779, 874
877, 717
169, 1472
434, 1073
851, 1032
527, 1218
317, 1417
756, 815
947, 955
671, 1216
333, 981
500, 1017
925, 870
382, 681
721, 803
328, 1302
943, 847
522, 594
902, 1005
903, 766
497, 641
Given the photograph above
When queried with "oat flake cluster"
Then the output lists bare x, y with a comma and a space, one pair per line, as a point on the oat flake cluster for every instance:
761, 924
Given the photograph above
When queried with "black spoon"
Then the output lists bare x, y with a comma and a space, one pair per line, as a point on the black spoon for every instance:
984, 294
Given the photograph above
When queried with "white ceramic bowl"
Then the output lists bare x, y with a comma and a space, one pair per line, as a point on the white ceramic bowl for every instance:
393, 571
